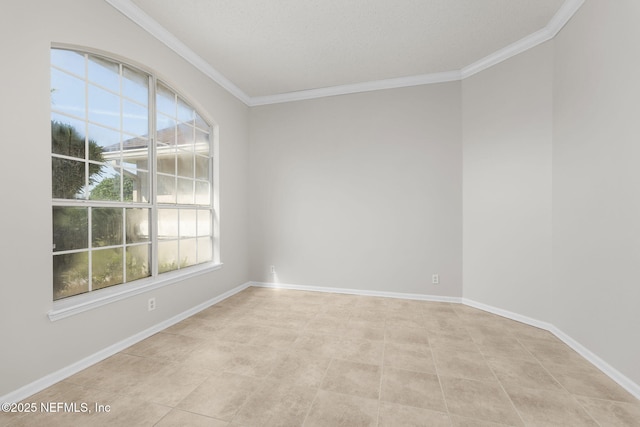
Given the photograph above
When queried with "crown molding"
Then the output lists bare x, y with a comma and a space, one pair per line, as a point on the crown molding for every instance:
137, 15
559, 20
505, 53
563, 15
399, 82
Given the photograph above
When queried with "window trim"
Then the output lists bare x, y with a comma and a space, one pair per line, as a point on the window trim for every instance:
76, 304
84, 302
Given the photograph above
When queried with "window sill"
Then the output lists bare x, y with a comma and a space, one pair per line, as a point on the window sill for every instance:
85, 302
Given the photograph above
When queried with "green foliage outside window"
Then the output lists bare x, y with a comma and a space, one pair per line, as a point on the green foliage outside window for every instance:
68, 175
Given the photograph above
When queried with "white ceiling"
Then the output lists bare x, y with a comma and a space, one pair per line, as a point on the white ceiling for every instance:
263, 49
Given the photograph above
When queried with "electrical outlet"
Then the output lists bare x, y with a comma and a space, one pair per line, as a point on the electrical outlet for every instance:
273, 269
435, 279
151, 304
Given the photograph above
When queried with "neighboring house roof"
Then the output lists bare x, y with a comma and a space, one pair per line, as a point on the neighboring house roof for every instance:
169, 138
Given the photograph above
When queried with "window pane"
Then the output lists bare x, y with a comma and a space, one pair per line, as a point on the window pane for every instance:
70, 228
106, 226
135, 85
165, 100
135, 160
188, 249
105, 73
205, 249
185, 191
166, 130
106, 268
202, 167
202, 143
137, 225
70, 274
165, 145
188, 223
68, 60
167, 256
136, 186
201, 123
185, 137
203, 194
185, 164
166, 189
67, 137
68, 178
185, 112
138, 262
204, 223
135, 118
136, 150
167, 224
166, 161
106, 184
67, 93
104, 144
104, 107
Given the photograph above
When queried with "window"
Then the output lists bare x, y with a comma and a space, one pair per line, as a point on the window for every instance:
131, 164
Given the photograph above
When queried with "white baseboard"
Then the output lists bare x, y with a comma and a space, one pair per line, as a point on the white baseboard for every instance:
607, 369
66, 372
508, 314
420, 297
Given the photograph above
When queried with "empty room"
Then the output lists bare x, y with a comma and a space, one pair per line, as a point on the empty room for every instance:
320, 213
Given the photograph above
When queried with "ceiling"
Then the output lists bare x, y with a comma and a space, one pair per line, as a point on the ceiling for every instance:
273, 51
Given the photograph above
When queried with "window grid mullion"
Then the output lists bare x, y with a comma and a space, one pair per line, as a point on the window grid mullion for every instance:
177, 154
86, 174
121, 101
154, 175
86, 127
90, 246
100, 203
121, 171
124, 245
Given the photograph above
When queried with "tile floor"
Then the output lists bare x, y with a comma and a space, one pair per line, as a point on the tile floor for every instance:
267, 357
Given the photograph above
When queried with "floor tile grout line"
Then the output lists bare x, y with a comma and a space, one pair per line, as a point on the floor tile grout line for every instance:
435, 366
484, 357
313, 401
573, 396
585, 410
317, 391
513, 405
246, 400
382, 369
544, 367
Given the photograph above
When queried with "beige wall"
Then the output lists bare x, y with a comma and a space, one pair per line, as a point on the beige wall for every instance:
507, 134
596, 182
32, 345
359, 191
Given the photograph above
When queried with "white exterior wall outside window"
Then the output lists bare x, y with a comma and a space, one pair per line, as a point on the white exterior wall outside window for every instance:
132, 178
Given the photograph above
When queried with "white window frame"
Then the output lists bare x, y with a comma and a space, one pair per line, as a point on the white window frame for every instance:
72, 305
